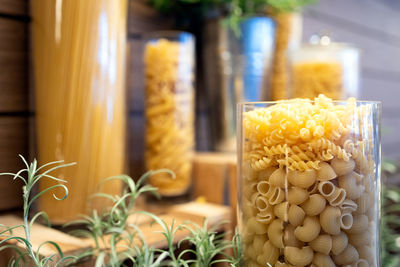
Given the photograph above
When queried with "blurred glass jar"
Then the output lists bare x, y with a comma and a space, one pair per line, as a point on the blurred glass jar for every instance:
325, 67
169, 78
309, 182
79, 54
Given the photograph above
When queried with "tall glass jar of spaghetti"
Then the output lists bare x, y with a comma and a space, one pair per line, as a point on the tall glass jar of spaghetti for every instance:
309, 182
325, 67
169, 109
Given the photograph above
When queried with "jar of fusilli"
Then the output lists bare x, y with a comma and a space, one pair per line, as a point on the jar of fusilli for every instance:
309, 182
325, 67
169, 109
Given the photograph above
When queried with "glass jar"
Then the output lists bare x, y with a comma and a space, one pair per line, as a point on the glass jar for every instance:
309, 182
325, 67
79, 54
169, 108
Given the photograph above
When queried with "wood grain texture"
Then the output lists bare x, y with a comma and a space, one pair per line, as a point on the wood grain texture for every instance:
14, 66
13, 141
143, 18
14, 7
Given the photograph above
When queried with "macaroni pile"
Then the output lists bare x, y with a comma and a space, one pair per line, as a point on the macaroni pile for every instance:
314, 78
169, 114
308, 191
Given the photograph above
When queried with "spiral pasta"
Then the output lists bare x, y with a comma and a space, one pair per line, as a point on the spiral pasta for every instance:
169, 114
314, 176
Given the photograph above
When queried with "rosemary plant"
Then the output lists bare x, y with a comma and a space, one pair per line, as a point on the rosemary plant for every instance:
116, 240
33, 175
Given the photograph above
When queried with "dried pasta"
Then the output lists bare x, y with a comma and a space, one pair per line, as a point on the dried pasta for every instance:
79, 74
169, 114
316, 178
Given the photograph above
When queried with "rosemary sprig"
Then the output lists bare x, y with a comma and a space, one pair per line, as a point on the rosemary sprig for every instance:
33, 175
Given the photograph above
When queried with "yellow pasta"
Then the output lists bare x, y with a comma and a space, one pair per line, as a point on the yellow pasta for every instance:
298, 256
322, 244
256, 227
314, 205
322, 260
169, 114
79, 76
309, 230
270, 254
316, 178
313, 78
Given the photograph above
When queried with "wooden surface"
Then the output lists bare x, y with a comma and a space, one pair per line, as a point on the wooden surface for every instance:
14, 7
192, 211
13, 97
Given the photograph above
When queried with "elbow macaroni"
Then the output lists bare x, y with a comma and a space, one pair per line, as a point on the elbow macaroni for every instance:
308, 193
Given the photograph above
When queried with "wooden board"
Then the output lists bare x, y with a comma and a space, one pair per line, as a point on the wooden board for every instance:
14, 7
14, 64
13, 141
177, 214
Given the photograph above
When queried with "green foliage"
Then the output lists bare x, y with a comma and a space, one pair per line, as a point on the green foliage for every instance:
116, 240
33, 175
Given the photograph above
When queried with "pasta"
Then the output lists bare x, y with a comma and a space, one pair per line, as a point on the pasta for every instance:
296, 215
313, 78
298, 256
309, 230
314, 205
339, 243
79, 76
270, 254
275, 233
169, 113
322, 260
322, 244
315, 187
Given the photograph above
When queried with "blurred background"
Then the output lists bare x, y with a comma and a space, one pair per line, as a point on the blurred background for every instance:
226, 52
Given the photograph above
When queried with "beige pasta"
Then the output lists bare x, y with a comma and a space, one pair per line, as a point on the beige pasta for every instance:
367, 253
262, 203
249, 210
265, 175
333, 194
348, 256
265, 217
309, 230
314, 205
360, 239
360, 263
298, 256
256, 227
277, 195
296, 195
342, 167
339, 243
322, 244
360, 224
346, 221
322, 260
313, 188
270, 254
289, 239
296, 215
249, 189
348, 206
278, 178
364, 203
330, 220
302, 179
282, 211
275, 233
263, 188
349, 183
282, 264
325, 172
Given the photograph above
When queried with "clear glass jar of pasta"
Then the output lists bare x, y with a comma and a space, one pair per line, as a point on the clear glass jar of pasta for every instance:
169, 109
325, 67
309, 182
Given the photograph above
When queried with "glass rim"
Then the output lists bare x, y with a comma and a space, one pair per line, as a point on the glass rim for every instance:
248, 103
